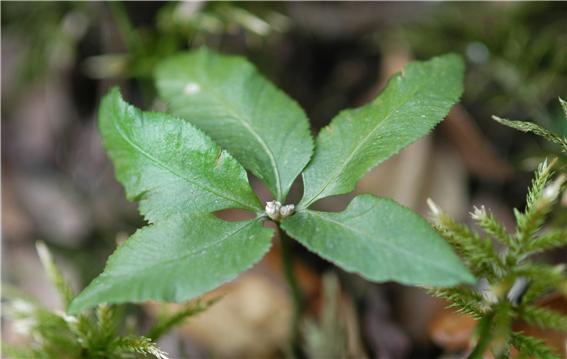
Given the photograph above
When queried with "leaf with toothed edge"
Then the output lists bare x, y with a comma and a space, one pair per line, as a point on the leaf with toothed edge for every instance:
177, 259
257, 123
381, 240
179, 176
168, 165
412, 103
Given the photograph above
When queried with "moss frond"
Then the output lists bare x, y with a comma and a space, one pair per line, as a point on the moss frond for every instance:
531, 347
56, 335
544, 318
476, 252
464, 300
542, 280
54, 274
538, 204
491, 226
530, 127
550, 240
140, 345
514, 282
167, 321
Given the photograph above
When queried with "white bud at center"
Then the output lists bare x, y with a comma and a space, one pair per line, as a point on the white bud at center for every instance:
273, 209
276, 211
287, 210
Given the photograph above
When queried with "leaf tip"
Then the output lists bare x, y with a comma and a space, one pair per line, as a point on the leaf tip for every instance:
81, 302
75, 307
467, 277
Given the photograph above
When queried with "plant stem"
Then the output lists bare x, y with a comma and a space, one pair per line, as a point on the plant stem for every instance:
297, 296
484, 334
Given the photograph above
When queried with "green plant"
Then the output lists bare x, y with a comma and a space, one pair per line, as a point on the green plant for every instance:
526, 126
56, 335
179, 25
181, 169
514, 281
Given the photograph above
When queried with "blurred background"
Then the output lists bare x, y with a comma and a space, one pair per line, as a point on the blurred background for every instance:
59, 58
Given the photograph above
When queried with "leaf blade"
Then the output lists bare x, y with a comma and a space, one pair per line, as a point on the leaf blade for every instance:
359, 139
168, 165
226, 97
369, 238
200, 253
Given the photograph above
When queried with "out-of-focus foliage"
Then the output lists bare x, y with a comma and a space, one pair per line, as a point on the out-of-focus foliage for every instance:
517, 54
511, 282
48, 30
51, 32
183, 25
197, 20
39, 39
93, 335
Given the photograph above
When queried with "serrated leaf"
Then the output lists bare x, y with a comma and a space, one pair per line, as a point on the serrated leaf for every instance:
413, 102
381, 240
177, 259
169, 165
227, 98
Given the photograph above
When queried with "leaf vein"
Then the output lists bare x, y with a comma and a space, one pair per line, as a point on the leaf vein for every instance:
187, 254
383, 242
128, 140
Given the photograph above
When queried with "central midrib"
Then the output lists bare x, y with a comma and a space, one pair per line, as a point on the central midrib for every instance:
360, 144
256, 136
162, 165
385, 243
225, 103
190, 253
